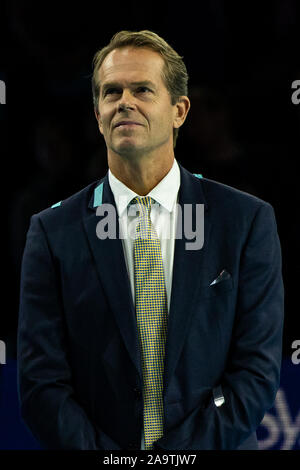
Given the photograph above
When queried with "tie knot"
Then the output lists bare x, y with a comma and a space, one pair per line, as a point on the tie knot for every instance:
144, 203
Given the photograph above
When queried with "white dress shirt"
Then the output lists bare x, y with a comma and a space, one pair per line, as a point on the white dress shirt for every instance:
163, 216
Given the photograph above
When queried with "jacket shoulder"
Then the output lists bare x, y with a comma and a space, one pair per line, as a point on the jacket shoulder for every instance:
70, 209
228, 197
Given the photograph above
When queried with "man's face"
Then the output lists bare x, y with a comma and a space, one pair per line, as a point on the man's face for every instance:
132, 92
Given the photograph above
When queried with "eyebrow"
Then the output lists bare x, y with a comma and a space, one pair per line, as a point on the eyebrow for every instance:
147, 83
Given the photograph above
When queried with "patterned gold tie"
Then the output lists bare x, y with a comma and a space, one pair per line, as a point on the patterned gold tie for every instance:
152, 318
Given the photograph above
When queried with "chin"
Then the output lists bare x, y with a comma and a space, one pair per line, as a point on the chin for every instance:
129, 148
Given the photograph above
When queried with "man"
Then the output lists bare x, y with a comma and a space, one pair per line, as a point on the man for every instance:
146, 341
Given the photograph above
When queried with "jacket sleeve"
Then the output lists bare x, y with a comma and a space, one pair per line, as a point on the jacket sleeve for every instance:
251, 379
47, 399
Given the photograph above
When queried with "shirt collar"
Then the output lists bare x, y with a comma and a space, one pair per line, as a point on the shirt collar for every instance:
165, 192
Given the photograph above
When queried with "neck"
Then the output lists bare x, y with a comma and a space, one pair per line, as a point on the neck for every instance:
140, 174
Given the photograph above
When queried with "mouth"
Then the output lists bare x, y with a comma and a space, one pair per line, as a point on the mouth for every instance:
127, 124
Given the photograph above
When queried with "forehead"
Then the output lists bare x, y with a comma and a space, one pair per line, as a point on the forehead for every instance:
129, 63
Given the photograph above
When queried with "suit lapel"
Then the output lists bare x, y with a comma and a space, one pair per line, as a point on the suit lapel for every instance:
187, 271
109, 257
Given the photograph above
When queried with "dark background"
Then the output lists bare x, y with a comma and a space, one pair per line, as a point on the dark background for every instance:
242, 129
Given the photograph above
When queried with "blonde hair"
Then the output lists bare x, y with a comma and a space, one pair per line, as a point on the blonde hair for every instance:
174, 73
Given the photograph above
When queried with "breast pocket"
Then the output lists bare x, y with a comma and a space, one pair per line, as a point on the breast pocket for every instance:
220, 288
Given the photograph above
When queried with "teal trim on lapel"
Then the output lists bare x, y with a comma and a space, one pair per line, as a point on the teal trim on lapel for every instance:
56, 205
198, 175
98, 195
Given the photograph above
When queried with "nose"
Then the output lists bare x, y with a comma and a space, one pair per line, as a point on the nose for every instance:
126, 101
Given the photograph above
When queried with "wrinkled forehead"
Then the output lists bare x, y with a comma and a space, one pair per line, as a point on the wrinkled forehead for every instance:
131, 64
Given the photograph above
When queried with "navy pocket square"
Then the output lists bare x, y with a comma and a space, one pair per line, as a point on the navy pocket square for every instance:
222, 277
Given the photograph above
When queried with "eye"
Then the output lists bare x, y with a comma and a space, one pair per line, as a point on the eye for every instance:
111, 91
143, 89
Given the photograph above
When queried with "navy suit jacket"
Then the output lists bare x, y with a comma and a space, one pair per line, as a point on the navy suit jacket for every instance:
79, 368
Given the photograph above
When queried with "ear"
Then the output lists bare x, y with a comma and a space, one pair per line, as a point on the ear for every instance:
181, 109
98, 117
